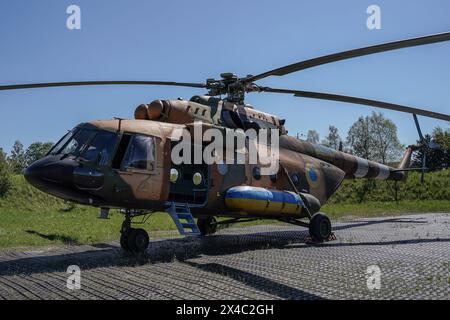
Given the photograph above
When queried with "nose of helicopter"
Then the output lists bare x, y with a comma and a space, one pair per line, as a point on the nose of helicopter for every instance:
40, 174
62, 178
51, 174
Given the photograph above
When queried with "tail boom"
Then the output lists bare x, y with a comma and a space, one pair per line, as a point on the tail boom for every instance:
353, 166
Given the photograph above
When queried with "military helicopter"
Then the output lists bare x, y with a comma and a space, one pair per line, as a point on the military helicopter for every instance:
126, 163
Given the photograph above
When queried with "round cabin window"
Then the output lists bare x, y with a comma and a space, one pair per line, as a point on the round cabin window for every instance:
197, 179
174, 175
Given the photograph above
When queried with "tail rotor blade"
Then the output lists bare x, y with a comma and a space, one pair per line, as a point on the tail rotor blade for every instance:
419, 131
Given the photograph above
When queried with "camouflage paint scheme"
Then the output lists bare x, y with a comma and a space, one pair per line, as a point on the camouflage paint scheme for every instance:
312, 170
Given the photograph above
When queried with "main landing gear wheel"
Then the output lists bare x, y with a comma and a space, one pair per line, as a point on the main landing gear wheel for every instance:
320, 227
207, 225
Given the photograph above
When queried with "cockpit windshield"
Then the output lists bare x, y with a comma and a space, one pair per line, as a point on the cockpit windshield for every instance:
87, 144
100, 147
62, 142
77, 143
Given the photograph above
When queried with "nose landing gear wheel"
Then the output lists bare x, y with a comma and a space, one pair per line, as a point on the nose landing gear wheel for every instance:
124, 241
207, 225
320, 227
137, 240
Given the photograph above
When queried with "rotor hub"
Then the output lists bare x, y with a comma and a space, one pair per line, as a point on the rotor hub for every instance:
232, 86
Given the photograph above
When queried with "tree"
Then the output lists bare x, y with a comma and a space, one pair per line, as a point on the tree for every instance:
332, 140
36, 151
387, 145
17, 158
359, 138
436, 158
312, 136
5, 174
375, 138
442, 138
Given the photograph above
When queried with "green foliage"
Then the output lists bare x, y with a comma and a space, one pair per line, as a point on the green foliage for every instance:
389, 208
333, 139
20, 158
24, 197
5, 174
436, 159
435, 187
375, 138
36, 151
312, 136
17, 158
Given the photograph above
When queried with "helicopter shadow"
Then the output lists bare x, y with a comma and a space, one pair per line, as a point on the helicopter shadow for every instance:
257, 282
54, 237
363, 223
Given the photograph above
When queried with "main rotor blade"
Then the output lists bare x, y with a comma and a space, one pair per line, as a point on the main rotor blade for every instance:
96, 83
355, 100
440, 37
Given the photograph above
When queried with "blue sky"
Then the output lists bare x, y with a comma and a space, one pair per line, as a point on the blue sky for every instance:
194, 40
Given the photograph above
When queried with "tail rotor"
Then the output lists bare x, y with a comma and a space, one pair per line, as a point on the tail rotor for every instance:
426, 147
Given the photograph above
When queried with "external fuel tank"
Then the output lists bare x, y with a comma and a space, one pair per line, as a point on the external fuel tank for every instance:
255, 200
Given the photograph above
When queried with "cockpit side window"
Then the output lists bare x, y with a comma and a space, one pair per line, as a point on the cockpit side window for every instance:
121, 149
140, 154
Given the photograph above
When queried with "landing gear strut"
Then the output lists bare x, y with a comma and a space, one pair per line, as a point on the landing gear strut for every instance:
319, 224
133, 240
319, 227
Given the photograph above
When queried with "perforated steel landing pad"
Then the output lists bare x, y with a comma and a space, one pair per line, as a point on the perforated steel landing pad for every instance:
259, 262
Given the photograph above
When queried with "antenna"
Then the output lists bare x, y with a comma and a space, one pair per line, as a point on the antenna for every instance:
120, 123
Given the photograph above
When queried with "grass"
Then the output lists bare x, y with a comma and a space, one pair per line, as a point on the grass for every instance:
79, 226
29, 217
377, 208
436, 186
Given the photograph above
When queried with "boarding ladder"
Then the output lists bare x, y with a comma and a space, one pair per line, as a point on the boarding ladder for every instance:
183, 219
